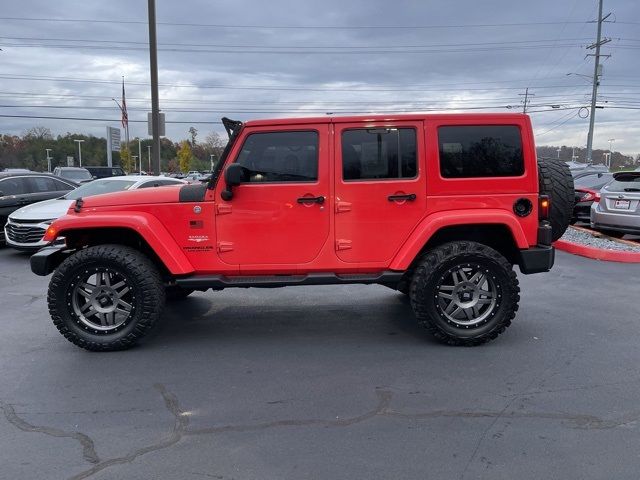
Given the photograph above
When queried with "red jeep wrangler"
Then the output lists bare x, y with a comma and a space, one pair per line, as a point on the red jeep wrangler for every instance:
439, 207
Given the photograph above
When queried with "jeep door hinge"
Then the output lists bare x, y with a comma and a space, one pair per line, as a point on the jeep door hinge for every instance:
223, 208
342, 244
343, 207
225, 247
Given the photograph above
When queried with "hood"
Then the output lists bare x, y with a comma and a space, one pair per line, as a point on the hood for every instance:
166, 194
47, 210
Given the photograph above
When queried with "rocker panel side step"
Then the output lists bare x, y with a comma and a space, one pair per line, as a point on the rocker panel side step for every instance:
199, 282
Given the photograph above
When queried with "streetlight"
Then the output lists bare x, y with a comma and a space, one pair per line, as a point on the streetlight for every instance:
559, 150
79, 142
213, 155
135, 161
149, 153
48, 159
140, 153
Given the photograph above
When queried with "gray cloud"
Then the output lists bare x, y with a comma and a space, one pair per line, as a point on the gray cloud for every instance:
455, 67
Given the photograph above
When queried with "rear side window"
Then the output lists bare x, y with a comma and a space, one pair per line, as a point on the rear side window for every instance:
625, 183
472, 151
280, 157
43, 184
379, 153
14, 186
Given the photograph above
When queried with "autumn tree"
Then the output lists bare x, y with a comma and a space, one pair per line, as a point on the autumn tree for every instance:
184, 156
126, 161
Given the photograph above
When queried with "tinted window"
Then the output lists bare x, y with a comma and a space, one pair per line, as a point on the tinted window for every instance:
14, 186
61, 186
280, 157
379, 153
43, 184
625, 183
480, 151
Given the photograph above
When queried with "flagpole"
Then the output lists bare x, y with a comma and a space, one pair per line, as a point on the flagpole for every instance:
125, 117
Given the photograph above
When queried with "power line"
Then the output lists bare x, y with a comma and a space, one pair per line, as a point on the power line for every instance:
291, 27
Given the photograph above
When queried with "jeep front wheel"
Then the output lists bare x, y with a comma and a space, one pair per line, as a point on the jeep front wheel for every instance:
464, 293
106, 297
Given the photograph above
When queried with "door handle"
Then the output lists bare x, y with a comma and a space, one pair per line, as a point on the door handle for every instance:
319, 200
409, 197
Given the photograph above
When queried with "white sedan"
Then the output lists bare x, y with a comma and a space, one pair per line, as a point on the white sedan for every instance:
26, 226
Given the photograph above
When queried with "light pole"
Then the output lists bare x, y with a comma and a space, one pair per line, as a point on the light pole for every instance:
611, 140
212, 157
149, 154
135, 161
48, 160
559, 150
79, 142
140, 153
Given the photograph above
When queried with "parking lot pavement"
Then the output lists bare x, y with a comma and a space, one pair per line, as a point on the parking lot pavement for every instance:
328, 383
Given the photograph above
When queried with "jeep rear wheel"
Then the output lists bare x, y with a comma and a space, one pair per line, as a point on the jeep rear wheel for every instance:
464, 293
106, 297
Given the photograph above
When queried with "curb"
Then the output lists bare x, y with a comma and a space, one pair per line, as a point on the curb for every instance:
597, 253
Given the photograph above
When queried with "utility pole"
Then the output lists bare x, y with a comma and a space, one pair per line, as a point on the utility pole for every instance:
48, 160
153, 65
526, 95
596, 74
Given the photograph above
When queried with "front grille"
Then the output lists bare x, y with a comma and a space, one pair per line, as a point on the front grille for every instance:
24, 233
22, 221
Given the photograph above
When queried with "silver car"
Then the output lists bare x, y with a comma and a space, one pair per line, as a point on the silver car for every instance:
26, 226
618, 211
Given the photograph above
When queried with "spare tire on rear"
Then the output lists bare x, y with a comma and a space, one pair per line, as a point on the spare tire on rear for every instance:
555, 181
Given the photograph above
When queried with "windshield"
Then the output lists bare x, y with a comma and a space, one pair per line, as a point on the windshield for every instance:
76, 175
98, 187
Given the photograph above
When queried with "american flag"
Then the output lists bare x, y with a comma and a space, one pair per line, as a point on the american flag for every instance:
125, 115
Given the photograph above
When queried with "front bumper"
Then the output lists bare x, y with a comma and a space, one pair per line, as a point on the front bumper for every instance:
47, 260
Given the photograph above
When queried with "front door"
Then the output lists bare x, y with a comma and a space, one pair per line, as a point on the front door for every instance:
279, 215
379, 187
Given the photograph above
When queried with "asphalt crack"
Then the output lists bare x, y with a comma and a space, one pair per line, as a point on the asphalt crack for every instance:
180, 430
88, 446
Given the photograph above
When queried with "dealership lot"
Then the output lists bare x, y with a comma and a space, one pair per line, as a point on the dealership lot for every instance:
328, 382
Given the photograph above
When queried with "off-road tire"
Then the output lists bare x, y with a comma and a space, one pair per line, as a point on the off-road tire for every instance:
174, 293
146, 294
555, 180
436, 264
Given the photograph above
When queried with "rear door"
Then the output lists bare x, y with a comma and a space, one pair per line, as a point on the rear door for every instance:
13, 195
380, 192
279, 216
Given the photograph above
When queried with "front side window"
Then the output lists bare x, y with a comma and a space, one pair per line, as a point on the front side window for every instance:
471, 151
280, 157
379, 153
43, 184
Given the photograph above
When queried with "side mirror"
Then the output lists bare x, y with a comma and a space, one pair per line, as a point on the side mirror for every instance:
234, 175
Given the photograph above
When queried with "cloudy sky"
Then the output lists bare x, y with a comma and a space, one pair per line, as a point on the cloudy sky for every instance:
259, 59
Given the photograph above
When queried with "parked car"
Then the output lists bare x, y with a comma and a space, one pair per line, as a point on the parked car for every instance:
18, 189
587, 187
617, 209
577, 167
25, 227
104, 172
76, 174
